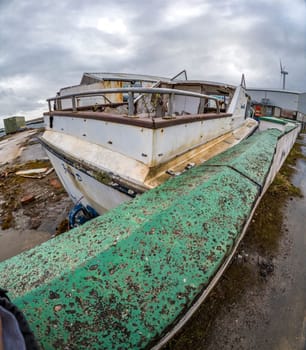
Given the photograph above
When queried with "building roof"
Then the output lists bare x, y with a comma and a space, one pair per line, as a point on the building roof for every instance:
149, 78
122, 76
275, 90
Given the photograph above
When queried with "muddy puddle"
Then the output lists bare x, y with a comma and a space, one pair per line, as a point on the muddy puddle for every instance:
33, 207
260, 302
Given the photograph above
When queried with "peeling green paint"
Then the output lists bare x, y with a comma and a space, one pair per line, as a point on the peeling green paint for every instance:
253, 158
121, 280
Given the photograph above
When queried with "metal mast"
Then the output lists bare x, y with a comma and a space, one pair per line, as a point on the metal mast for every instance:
283, 73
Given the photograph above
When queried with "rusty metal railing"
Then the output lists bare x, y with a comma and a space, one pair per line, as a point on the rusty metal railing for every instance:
131, 91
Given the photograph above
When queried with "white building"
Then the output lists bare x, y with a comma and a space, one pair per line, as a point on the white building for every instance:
291, 103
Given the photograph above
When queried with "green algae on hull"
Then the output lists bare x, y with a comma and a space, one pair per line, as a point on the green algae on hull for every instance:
121, 280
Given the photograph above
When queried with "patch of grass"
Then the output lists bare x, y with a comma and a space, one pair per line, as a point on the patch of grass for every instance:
282, 187
7, 221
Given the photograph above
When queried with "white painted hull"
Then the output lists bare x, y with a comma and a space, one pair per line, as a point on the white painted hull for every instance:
77, 163
284, 147
84, 189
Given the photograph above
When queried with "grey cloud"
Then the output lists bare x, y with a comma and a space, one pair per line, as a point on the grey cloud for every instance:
51, 42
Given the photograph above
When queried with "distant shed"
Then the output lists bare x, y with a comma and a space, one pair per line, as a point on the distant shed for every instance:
14, 124
291, 103
283, 103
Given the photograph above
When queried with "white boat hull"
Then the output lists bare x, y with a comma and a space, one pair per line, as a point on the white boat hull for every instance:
83, 188
89, 183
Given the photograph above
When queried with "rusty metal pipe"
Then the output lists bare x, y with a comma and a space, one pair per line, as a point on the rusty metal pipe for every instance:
135, 90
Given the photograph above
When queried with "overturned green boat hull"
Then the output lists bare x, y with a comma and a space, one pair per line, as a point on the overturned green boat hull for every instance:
132, 277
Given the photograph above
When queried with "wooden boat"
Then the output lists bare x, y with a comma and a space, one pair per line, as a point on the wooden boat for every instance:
118, 135
131, 278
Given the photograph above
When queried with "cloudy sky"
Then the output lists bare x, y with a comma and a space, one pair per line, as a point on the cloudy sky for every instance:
47, 44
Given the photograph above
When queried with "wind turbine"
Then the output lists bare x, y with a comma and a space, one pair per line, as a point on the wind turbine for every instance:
283, 73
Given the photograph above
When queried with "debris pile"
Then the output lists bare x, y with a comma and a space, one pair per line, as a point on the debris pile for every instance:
31, 196
30, 190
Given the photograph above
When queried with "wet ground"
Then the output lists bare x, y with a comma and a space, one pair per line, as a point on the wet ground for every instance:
260, 303
32, 210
